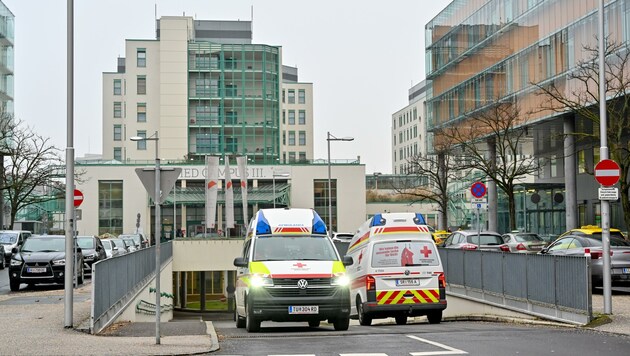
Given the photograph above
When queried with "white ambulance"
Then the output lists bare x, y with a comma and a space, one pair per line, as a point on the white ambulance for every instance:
290, 271
397, 271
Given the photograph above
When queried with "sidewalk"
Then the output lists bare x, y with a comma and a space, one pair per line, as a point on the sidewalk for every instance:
34, 325
35, 321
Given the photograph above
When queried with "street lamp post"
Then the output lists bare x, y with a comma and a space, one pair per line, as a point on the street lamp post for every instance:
157, 232
329, 138
376, 174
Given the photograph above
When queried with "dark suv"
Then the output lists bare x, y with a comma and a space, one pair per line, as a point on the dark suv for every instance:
41, 259
93, 251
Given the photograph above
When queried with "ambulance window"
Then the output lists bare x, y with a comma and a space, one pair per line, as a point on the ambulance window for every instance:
404, 254
246, 248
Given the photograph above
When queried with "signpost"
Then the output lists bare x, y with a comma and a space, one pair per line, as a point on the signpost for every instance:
78, 198
479, 190
607, 172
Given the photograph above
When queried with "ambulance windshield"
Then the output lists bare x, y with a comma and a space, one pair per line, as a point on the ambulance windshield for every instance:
281, 248
404, 254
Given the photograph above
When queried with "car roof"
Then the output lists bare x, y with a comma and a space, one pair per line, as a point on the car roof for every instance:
474, 232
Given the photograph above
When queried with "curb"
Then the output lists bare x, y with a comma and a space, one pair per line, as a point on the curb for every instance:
496, 318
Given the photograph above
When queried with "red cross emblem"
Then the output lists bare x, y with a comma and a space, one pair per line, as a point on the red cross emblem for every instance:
300, 265
426, 252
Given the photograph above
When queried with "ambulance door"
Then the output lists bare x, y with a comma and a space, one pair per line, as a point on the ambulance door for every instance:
242, 274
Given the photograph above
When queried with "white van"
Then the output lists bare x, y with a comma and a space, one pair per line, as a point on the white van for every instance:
397, 271
12, 239
290, 271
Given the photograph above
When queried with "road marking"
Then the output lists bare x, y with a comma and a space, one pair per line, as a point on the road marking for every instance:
451, 350
363, 354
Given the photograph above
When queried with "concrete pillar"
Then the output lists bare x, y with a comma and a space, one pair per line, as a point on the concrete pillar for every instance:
492, 189
570, 173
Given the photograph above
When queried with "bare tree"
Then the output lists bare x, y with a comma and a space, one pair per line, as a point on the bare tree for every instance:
578, 93
31, 171
492, 140
436, 170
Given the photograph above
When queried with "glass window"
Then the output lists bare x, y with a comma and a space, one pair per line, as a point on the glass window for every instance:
320, 202
302, 138
117, 87
142, 57
141, 84
301, 96
117, 109
554, 166
581, 162
142, 112
117, 132
142, 145
283, 96
291, 96
302, 156
401, 254
302, 117
291, 157
291, 138
118, 153
291, 117
307, 248
110, 207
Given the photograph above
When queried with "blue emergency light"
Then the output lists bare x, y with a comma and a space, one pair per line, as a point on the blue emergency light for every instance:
262, 227
319, 227
378, 220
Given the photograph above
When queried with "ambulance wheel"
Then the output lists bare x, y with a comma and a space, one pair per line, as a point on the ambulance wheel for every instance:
251, 324
240, 321
342, 324
313, 323
435, 317
401, 319
364, 319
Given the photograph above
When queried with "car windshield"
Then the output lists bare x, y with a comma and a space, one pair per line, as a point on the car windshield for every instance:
8, 238
43, 244
85, 242
485, 239
135, 238
527, 238
279, 248
107, 244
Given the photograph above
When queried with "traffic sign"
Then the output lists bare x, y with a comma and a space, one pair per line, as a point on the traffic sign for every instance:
168, 178
607, 172
78, 198
609, 193
478, 190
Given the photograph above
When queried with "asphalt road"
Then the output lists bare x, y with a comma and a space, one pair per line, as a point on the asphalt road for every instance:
447, 338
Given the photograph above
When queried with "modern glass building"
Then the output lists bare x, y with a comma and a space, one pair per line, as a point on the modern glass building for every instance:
482, 51
7, 26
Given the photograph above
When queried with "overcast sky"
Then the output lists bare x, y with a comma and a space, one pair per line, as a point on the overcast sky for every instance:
362, 56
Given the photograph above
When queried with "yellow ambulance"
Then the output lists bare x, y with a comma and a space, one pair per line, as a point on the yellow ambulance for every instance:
289, 270
397, 271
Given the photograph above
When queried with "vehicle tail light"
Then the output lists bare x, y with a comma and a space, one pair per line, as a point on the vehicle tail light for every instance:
596, 255
505, 248
370, 283
441, 279
521, 247
469, 247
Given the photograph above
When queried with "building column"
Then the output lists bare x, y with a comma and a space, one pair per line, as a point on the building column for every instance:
442, 216
570, 173
492, 189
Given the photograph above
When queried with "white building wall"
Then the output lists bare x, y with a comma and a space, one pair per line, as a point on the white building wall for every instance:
409, 131
285, 127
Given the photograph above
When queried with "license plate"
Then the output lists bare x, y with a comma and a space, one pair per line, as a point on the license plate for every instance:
304, 309
36, 269
625, 270
408, 282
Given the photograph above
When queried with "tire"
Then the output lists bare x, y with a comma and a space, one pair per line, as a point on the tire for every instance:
313, 323
401, 319
240, 321
252, 325
3, 264
15, 285
364, 318
435, 317
342, 324
80, 277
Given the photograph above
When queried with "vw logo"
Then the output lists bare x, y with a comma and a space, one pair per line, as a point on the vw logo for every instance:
302, 284
407, 272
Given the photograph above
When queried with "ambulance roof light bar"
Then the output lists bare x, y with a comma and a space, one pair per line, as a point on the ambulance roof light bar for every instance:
319, 227
419, 219
378, 220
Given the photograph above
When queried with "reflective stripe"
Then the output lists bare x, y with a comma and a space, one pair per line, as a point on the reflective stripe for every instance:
421, 296
258, 267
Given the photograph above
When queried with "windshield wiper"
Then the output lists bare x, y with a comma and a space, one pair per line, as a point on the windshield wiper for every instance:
47, 251
416, 264
26, 251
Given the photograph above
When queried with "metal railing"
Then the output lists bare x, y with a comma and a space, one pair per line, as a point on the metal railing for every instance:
116, 281
553, 287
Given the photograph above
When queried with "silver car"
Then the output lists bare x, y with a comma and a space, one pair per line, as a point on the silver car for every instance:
524, 242
471, 240
573, 245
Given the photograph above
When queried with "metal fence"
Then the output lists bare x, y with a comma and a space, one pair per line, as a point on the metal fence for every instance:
116, 281
554, 287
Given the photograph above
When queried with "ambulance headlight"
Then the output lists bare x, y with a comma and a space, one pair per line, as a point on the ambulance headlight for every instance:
341, 280
261, 280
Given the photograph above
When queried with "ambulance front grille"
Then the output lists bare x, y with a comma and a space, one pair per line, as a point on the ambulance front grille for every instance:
295, 292
292, 282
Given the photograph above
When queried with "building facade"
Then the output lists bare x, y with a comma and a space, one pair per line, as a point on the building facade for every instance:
7, 27
409, 129
483, 51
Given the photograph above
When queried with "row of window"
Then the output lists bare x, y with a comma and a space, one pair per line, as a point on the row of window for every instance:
406, 118
291, 96
141, 85
291, 114
292, 157
141, 111
406, 152
406, 135
291, 138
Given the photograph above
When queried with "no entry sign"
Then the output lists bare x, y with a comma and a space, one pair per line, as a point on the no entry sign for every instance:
78, 198
607, 172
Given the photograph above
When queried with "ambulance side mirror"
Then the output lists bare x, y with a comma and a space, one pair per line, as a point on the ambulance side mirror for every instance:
240, 262
347, 261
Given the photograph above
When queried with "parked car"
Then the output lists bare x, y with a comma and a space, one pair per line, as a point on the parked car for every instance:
10, 239
468, 240
524, 242
111, 250
341, 240
3, 262
41, 259
93, 251
139, 239
130, 243
122, 246
574, 245
588, 230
